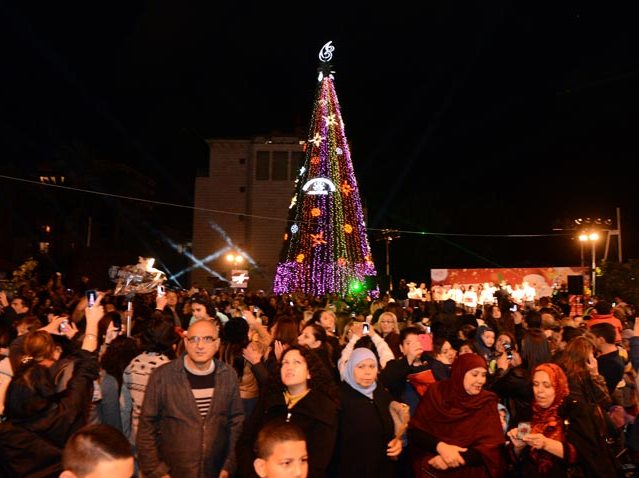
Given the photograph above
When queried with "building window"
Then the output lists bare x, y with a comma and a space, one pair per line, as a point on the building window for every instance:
262, 160
280, 166
297, 160
242, 160
242, 189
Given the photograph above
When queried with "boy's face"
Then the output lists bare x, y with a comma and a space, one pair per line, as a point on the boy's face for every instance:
288, 460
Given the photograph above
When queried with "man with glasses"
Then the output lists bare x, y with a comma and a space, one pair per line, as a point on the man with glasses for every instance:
192, 413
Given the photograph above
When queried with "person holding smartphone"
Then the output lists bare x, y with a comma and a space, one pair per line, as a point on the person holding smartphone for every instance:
35, 413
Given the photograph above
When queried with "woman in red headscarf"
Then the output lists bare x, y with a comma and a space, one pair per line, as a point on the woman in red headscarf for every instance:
456, 430
563, 432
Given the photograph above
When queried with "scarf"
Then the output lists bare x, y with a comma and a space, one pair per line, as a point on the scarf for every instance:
357, 356
450, 414
547, 420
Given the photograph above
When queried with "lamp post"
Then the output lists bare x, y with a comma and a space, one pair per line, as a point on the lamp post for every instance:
591, 237
387, 235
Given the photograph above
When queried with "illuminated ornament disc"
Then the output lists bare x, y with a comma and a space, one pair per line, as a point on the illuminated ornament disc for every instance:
300, 258
294, 228
341, 261
319, 186
348, 228
315, 160
339, 151
315, 212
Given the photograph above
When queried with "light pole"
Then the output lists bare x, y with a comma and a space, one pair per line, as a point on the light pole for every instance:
387, 235
591, 237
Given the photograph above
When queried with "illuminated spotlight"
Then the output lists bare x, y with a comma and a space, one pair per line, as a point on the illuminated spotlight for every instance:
231, 245
206, 260
583, 237
234, 258
197, 263
593, 236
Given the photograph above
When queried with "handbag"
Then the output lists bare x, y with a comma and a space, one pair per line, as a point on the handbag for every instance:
610, 439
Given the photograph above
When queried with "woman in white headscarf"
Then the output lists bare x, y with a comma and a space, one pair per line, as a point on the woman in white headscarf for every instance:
367, 443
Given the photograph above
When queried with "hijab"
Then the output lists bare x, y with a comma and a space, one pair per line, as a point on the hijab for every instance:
547, 420
450, 414
358, 356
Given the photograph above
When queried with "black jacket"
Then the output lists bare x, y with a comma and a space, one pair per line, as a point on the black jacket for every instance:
315, 414
366, 427
47, 432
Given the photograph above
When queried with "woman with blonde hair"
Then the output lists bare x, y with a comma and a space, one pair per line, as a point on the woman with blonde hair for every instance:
388, 329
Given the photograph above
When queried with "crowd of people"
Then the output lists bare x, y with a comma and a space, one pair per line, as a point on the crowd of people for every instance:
185, 383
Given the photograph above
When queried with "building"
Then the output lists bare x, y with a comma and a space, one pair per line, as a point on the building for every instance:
242, 205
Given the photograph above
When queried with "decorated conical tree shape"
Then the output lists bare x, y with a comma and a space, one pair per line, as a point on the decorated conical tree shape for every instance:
326, 249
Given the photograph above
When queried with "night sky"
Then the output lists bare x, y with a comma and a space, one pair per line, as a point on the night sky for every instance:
501, 117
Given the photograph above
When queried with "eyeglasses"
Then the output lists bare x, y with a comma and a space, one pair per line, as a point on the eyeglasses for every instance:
207, 339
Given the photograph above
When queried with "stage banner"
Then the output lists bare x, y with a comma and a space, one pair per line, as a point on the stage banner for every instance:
543, 279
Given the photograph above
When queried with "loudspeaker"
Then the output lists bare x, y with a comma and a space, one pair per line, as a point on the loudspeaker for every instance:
576, 285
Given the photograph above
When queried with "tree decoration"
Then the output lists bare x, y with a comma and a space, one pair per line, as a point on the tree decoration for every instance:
316, 140
346, 189
318, 239
331, 250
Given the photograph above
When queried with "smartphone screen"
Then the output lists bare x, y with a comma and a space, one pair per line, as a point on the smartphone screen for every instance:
92, 296
161, 291
365, 328
63, 326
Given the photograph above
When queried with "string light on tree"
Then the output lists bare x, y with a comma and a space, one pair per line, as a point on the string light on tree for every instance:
330, 251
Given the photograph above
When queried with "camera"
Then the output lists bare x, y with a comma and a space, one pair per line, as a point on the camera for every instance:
92, 296
365, 328
117, 322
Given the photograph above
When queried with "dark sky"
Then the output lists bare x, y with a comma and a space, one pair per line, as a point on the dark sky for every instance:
468, 117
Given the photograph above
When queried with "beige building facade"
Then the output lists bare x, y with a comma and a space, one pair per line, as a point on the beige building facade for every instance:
242, 205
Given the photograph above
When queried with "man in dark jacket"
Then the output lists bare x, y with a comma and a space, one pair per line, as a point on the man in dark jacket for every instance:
192, 413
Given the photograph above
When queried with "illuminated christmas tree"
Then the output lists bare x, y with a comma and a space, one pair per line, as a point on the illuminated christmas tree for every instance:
326, 249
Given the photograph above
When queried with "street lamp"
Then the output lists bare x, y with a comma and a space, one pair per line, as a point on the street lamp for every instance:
591, 237
234, 258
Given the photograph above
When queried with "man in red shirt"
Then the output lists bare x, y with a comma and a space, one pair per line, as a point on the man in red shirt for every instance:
603, 314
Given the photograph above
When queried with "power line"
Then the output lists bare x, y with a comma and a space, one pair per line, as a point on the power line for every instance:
255, 216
